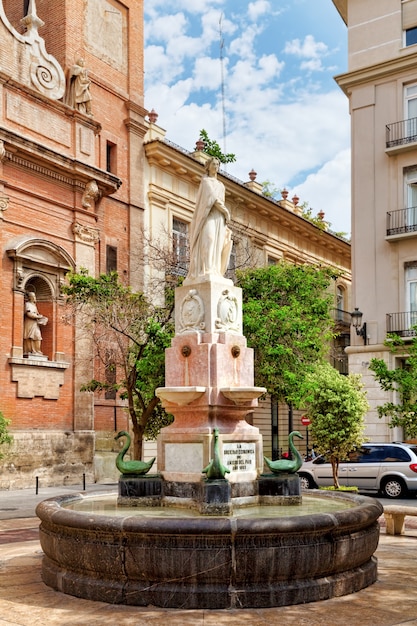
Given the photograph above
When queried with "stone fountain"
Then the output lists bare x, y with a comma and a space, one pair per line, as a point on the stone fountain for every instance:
231, 537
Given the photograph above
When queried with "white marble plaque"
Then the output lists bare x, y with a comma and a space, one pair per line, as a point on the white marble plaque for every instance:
183, 457
239, 457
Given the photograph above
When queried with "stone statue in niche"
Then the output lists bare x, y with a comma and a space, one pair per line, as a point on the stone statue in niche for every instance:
32, 336
210, 237
78, 93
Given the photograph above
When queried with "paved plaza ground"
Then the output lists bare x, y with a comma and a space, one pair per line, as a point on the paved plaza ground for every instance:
26, 601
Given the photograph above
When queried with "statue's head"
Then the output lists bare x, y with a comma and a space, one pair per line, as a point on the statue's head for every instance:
212, 164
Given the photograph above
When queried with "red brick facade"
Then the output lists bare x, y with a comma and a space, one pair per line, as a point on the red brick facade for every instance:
49, 224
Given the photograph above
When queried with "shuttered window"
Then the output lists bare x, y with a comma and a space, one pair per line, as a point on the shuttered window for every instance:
409, 14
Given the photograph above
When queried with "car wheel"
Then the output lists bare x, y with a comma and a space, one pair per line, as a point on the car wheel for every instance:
393, 488
306, 482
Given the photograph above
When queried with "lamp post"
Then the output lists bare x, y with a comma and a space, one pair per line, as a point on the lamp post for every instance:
356, 321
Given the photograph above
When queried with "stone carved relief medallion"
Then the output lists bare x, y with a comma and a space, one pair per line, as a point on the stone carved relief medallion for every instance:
192, 312
86, 234
228, 313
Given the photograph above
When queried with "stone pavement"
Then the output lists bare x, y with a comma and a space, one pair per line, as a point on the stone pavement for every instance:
26, 601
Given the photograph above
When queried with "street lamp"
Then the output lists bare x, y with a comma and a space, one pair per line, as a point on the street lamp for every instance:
356, 322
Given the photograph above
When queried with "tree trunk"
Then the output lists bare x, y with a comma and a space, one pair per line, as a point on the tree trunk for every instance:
335, 470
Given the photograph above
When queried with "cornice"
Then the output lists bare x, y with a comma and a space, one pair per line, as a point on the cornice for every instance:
30, 155
55, 105
379, 71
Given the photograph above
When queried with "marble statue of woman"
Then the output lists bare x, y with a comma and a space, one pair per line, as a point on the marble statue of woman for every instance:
210, 237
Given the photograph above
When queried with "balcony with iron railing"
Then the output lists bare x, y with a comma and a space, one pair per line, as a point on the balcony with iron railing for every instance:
400, 135
341, 317
402, 222
402, 324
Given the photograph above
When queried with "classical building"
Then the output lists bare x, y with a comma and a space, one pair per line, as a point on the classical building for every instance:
265, 231
71, 133
381, 84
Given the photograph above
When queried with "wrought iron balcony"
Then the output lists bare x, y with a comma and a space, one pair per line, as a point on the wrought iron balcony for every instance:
401, 133
402, 324
342, 318
402, 221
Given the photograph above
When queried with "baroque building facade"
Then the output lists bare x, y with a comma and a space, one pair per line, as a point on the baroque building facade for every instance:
381, 84
72, 125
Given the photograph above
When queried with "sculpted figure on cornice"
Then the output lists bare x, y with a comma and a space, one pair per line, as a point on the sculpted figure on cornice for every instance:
91, 194
78, 94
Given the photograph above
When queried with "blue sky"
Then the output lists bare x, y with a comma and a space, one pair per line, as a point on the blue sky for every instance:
284, 114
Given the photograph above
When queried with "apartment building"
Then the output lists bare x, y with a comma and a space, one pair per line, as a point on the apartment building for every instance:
381, 84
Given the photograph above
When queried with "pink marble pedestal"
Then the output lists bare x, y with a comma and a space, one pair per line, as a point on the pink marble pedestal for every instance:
209, 383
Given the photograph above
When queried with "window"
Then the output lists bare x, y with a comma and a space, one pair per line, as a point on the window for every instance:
409, 16
411, 36
410, 211
180, 246
410, 103
111, 259
111, 157
110, 372
411, 292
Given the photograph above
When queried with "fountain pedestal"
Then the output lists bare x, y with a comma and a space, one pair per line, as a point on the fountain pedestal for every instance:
209, 384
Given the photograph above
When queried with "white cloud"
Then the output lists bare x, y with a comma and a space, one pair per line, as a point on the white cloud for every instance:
308, 48
258, 8
328, 190
207, 73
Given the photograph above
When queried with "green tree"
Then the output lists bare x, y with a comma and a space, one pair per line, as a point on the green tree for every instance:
129, 336
403, 382
286, 317
5, 436
336, 406
212, 148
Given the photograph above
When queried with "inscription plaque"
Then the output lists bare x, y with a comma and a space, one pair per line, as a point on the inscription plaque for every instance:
239, 457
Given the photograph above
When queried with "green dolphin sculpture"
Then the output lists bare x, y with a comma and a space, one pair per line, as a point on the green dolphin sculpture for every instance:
215, 470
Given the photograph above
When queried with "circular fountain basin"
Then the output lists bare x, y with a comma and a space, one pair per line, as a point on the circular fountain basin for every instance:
259, 557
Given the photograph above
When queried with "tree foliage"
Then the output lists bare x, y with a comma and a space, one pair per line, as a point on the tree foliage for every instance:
336, 406
129, 336
403, 382
286, 317
212, 148
5, 436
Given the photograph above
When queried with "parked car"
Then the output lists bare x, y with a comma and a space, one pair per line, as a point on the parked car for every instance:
386, 468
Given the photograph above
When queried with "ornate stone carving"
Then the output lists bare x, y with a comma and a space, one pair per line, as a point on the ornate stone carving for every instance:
4, 204
91, 194
192, 312
36, 67
228, 313
86, 234
2, 151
